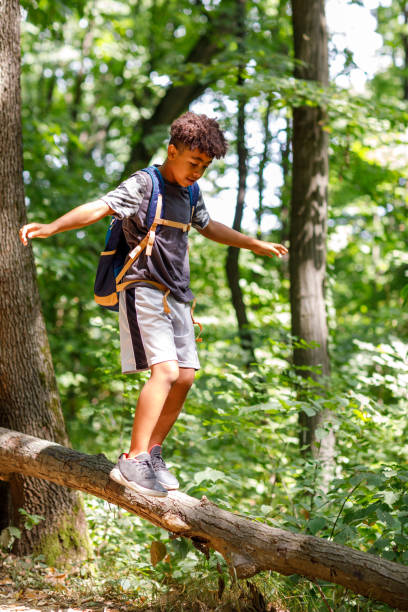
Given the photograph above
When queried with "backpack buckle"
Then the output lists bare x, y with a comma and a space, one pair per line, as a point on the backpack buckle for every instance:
150, 242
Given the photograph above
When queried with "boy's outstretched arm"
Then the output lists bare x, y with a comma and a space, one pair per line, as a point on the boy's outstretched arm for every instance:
225, 235
78, 217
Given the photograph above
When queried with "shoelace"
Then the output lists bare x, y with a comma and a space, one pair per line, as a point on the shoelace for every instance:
145, 466
158, 462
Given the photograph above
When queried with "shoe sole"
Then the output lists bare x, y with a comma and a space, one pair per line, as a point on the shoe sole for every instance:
164, 484
116, 475
167, 487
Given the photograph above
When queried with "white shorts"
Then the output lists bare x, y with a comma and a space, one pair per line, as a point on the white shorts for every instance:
148, 335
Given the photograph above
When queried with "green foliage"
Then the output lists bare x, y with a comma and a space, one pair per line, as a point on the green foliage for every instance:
392, 20
30, 520
12, 533
246, 437
8, 536
92, 72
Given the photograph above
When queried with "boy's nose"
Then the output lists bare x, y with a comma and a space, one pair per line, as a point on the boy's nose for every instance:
198, 173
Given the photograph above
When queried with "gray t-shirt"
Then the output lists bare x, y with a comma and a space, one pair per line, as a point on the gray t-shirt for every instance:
168, 264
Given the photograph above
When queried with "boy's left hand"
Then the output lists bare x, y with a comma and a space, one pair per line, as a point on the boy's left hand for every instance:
269, 249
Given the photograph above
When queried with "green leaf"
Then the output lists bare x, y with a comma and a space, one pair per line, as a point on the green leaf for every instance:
309, 410
316, 524
375, 479
401, 541
209, 474
390, 497
15, 532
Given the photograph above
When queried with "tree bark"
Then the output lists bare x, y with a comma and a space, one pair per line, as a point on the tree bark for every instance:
248, 546
29, 398
308, 219
77, 93
267, 140
404, 8
285, 154
232, 260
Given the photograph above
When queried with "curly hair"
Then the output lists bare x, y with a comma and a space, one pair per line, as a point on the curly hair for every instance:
198, 132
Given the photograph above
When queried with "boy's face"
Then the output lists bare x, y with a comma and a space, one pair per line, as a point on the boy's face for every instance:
185, 166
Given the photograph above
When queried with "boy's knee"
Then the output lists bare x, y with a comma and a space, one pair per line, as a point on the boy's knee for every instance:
167, 370
186, 377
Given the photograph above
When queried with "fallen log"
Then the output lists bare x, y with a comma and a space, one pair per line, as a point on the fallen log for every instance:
247, 546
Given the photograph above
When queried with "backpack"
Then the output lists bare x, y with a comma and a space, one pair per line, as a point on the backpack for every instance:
116, 258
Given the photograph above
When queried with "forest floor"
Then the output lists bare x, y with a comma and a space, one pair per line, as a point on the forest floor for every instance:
29, 587
52, 599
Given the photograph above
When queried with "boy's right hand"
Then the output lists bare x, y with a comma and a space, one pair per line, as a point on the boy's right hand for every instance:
78, 217
35, 230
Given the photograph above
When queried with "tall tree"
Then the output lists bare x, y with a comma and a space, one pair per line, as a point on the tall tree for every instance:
29, 399
267, 140
404, 9
232, 261
177, 98
308, 216
285, 155
392, 21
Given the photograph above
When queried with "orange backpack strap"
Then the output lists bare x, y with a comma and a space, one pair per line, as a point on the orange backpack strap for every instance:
158, 220
163, 288
193, 305
152, 231
133, 255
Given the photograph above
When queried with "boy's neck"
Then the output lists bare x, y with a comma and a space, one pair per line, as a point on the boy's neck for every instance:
166, 172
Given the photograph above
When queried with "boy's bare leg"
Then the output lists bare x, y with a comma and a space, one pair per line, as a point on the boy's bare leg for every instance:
150, 404
172, 406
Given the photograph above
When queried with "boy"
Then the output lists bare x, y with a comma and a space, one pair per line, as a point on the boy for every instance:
150, 337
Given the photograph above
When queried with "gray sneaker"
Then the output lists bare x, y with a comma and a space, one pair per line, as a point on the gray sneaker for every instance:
164, 477
138, 474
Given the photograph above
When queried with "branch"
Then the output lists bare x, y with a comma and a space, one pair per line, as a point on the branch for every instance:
247, 546
177, 98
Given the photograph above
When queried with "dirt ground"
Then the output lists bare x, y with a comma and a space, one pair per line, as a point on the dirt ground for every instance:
40, 600
26, 586
52, 594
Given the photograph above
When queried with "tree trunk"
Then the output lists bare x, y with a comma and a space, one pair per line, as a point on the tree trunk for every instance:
232, 260
267, 140
308, 219
247, 546
177, 98
404, 37
285, 151
77, 93
29, 399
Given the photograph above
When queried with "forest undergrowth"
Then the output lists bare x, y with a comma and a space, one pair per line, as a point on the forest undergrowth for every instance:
237, 443
85, 105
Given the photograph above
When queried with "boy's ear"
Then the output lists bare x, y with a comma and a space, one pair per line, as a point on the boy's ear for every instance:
172, 151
